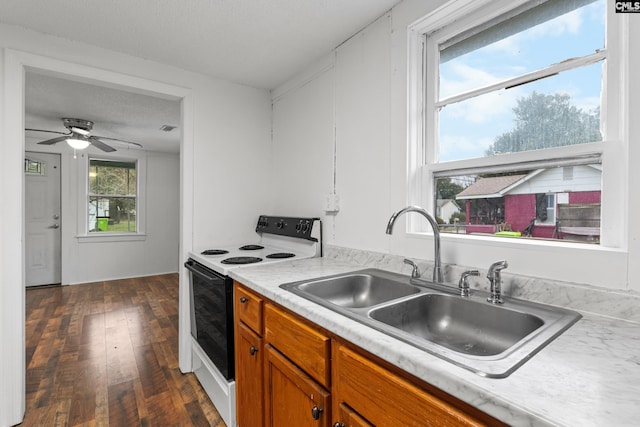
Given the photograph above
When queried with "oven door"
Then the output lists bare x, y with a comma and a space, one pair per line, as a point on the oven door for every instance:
212, 315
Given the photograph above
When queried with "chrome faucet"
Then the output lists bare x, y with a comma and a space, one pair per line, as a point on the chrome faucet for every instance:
495, 278
415, 272
463, 285
437, 269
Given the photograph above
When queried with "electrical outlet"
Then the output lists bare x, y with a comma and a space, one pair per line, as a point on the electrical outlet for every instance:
331, 203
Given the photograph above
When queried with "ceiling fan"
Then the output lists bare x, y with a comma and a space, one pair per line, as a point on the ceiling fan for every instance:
79, 136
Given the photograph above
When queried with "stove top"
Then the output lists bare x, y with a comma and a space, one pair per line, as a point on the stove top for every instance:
278, 239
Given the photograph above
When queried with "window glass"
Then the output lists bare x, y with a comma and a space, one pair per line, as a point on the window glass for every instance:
548, 203
557, 111
552, 107
112, 196
513, 123
532, 40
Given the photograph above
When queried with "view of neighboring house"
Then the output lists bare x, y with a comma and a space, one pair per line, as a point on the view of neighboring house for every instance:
445, 208
515, 202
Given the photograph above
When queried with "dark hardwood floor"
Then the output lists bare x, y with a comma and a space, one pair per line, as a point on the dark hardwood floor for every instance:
106, 354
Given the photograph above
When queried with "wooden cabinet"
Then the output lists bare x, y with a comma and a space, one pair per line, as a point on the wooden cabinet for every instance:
387, 399
300, 342
293, 398
248, 308
249, 377
290, 372
347, 417
296, 372
249, 358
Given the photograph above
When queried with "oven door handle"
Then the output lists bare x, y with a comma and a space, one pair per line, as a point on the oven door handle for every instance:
192, 266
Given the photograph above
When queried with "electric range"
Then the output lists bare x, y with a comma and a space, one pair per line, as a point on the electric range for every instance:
278, 239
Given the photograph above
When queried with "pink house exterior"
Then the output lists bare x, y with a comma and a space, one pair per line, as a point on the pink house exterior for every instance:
520, 210
511, 200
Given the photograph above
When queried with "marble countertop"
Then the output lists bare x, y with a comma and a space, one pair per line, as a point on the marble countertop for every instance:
589, 376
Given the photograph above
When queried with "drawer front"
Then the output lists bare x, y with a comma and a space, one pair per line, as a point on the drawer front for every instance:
302, 344
248, 307
384, 398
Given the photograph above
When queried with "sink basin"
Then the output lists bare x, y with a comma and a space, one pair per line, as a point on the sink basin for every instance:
357, 290
490, 340
461, 325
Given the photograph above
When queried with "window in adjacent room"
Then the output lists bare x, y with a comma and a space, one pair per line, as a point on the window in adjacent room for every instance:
113, 201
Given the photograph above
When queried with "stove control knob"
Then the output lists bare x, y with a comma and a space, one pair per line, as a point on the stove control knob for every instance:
305, 227
280, 224
298, 227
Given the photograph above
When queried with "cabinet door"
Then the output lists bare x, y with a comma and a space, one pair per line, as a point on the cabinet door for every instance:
386, 399
292, 397
349, 418
248, 308
299, 342
249, 377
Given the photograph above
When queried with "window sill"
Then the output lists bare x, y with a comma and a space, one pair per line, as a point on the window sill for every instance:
111, 237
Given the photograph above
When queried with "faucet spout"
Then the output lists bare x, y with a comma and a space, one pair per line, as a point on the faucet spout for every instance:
495, 278
437, 270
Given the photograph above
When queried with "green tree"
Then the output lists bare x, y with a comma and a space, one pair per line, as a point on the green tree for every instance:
544, 121
448, 189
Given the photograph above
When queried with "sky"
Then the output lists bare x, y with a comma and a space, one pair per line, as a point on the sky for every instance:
469, 127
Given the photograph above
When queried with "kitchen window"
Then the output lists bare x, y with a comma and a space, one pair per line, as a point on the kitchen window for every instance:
112, 196
511, 103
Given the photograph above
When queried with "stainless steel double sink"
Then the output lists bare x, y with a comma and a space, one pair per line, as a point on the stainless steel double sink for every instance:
490, 340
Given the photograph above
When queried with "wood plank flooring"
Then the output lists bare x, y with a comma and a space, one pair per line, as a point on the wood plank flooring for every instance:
106, 354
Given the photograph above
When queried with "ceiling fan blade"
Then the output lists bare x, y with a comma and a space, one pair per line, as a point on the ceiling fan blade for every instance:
49, 131
119, 140
54, 140
101, 145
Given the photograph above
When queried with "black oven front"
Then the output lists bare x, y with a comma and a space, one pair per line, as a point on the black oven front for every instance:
212, 315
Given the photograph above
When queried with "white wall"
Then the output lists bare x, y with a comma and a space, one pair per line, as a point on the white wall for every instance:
104, 258
362, 85
370, 108
302, 171
223, 124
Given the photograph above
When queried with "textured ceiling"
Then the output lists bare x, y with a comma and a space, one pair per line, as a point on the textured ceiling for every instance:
115, 113
260, 43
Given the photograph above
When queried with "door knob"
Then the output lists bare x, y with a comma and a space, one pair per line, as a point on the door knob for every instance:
55, 226
56, 216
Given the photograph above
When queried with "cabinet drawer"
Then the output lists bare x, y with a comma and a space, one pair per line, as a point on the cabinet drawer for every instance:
385, 398
303, 345
248, 308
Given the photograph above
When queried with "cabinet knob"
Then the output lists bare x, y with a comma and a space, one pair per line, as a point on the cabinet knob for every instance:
338, 424
243, 300
316, 412
253, 350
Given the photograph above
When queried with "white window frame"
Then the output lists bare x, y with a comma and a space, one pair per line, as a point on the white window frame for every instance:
421, 115
84, 235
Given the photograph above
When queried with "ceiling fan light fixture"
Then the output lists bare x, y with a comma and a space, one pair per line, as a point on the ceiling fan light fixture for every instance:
77, 144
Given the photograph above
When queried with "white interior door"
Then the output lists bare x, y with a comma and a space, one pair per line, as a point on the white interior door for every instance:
43, 250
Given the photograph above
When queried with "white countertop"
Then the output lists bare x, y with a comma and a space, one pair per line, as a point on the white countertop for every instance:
589, 376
